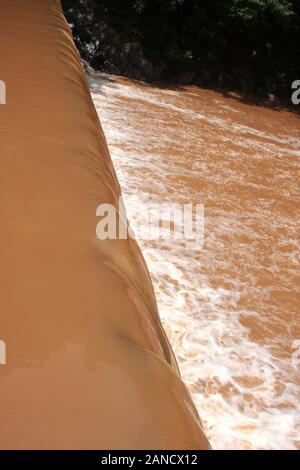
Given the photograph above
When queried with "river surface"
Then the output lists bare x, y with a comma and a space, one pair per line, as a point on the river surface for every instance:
232, 308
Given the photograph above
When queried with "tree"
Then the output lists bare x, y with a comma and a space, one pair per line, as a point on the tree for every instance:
252, 44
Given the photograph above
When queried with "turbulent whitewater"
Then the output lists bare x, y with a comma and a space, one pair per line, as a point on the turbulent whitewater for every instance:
231, 309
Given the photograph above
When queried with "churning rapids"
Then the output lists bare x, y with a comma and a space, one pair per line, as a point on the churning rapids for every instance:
231, 309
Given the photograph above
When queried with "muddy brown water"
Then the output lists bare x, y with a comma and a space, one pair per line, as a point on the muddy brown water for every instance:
231, 309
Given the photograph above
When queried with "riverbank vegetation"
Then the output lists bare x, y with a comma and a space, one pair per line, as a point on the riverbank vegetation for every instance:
250, 45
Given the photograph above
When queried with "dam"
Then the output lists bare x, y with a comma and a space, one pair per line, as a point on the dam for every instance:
90, 366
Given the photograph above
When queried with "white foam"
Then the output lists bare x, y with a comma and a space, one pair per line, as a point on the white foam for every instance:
246, 391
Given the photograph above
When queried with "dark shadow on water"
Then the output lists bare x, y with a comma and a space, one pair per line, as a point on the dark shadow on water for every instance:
98, 79
243, 97
250, 99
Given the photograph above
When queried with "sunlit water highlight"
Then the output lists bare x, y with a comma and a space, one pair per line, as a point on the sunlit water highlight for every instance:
231, 309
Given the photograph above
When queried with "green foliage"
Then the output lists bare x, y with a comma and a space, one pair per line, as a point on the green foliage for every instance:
244, 43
